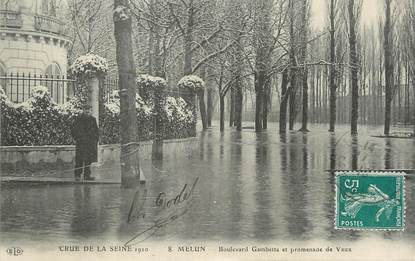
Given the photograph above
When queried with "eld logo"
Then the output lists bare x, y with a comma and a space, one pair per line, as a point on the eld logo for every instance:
14, 251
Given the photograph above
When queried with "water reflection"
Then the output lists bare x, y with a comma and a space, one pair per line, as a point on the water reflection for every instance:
355, 152
85, 212
388, 154
283, 152
305, 153
202, 144
262, 218
209, 146
252, 186
222, 144
295, 180
333, 144
234, 185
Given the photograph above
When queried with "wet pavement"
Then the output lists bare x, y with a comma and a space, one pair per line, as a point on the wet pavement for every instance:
232, 186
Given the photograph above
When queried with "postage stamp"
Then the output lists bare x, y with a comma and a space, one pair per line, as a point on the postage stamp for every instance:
370, 200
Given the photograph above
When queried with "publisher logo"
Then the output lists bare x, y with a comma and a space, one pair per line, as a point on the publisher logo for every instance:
14, 251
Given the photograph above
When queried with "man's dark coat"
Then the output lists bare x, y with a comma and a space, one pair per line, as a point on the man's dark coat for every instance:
85, 133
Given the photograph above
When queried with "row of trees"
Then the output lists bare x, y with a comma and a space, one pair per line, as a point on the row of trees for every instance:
268, 49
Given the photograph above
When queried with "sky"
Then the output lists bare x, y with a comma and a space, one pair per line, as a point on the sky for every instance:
371, 10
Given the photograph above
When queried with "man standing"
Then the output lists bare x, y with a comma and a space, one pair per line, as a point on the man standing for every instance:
85, 133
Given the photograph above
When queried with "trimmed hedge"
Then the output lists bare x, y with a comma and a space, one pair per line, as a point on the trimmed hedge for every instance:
89, 64
192, 82
40, 121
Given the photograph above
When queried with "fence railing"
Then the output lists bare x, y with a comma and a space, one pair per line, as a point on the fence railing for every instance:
108, 85
10, 19
18, 86
111, 84
48, 24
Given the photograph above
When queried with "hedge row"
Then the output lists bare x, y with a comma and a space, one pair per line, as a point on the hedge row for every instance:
40, 121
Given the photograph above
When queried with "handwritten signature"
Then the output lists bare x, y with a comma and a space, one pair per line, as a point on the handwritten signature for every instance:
170, 210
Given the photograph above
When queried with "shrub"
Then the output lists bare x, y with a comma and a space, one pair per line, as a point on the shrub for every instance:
110, 119
88, 65
176, 117
192, 82
150, 82
37, 121
40, 121
150, 87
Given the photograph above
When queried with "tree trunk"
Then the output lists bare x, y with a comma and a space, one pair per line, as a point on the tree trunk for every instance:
126, 83
188, 39
222, 112
333, 86
157, 70
291, 101
354, 62
158, 128
202, 107
232, 107
262, 61
413, 115
293, 71
238, 85
188, 94
238, 105
283, 104
389, 71
259, 98
150, 52
304, 120
267, 93
209, 107
201, 98
304, 72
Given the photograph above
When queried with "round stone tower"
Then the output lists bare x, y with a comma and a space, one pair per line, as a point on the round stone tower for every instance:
32, 39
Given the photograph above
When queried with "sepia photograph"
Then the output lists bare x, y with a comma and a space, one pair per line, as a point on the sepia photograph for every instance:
207, 130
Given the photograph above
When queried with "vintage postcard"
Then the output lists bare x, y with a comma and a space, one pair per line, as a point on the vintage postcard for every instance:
207, 130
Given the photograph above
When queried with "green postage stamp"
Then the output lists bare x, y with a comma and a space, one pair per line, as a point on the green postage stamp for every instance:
370, 200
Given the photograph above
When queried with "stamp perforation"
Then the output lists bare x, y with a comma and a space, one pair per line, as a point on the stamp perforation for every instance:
370, 173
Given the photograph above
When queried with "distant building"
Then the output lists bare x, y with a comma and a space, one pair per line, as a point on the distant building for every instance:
32, 41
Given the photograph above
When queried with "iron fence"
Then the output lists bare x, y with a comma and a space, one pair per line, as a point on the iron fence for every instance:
109, 84
18, 86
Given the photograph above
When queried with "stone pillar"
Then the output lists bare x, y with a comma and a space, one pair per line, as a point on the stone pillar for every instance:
89, 70
93, 86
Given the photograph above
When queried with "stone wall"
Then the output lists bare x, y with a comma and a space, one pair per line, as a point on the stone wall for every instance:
59, 161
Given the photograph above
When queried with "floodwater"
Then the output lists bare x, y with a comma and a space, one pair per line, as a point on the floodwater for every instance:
238, 186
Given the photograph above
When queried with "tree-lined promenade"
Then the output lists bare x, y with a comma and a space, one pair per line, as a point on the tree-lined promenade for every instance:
247, 45
264, 56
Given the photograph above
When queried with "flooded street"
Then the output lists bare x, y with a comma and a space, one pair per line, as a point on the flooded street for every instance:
235, 186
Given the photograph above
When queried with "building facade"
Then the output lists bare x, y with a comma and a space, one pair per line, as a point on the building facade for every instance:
33, 44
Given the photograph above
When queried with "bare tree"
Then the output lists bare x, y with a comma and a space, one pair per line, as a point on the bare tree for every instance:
283, 102
409, 29
354, 12
333, 86
262, 34
199, 25
389, 65
237, 18
126, 75
304, 73
293, 63
90, 27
